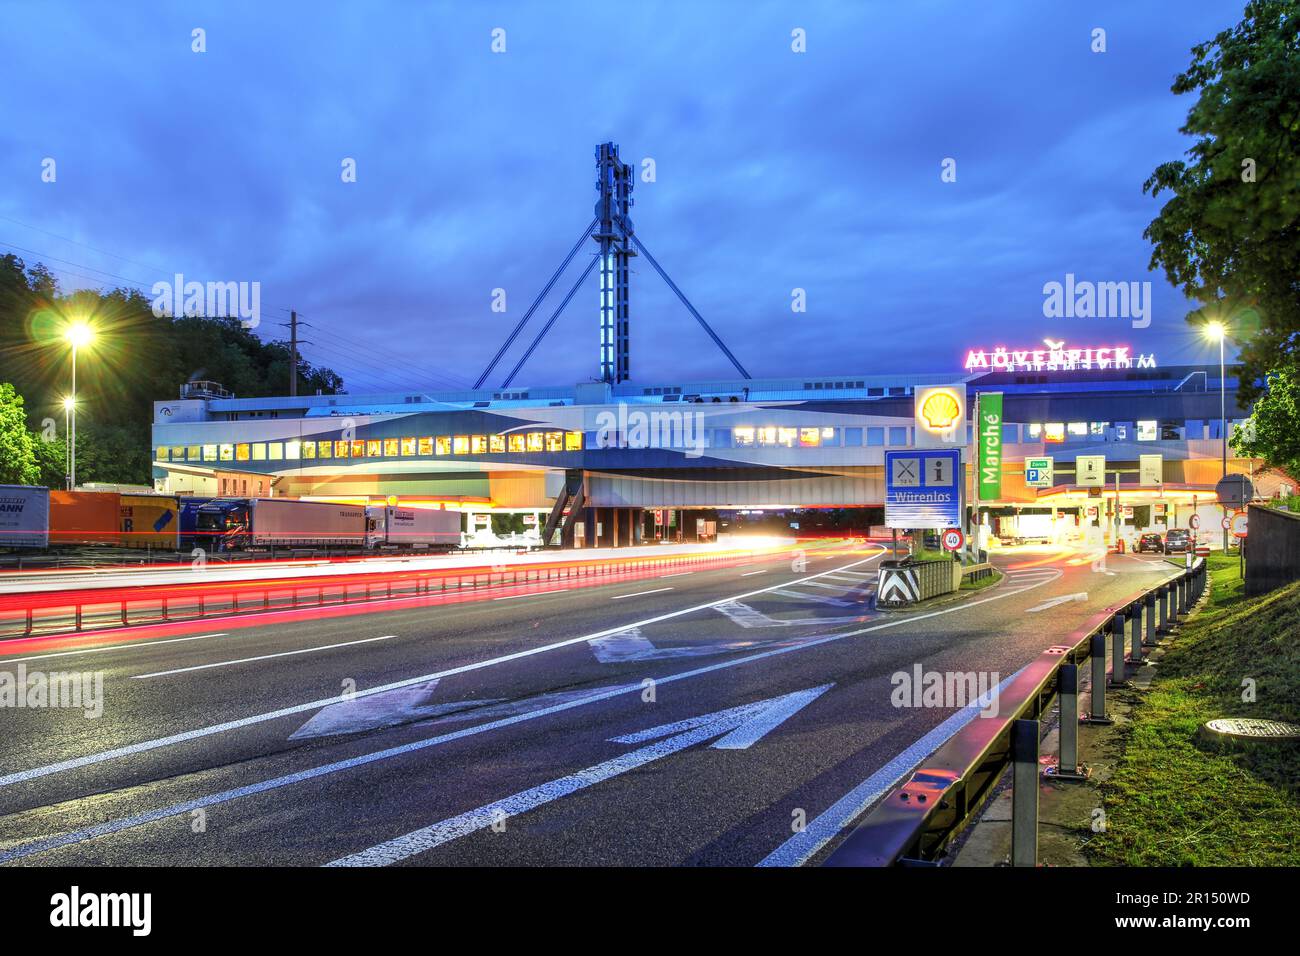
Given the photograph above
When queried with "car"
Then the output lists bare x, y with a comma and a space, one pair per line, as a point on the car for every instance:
1177, 541
1150, 542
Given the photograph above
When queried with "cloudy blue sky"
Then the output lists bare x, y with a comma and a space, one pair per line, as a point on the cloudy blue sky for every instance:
775, 170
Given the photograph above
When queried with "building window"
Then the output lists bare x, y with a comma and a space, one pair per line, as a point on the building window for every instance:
425, 446
1097, 429
743, 435
1146, 431
536, 442
309, 449
787, 436
1034, 431
227, 452
193, 452
1010, 434
573, 441
374, 448
259, 451
515, 442
460, 445
555, 441
478, 444
293, 449
358, 448
274, 451
341, 449
1054, 432
442, 445
810, 437
496, 444
160, 453
408, 446
897, 435
875, 435
853, 437
1077, 429
391, 446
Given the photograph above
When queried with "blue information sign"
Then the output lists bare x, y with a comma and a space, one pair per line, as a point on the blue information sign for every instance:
923, 489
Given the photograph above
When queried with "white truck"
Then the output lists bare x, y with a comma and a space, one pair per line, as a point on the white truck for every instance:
24, 516
285, 521
391, 527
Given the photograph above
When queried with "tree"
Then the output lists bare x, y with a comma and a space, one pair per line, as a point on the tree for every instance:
1230, 233
17, 447
1271, 431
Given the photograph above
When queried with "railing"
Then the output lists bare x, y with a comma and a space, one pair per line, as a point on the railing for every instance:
917, 820
77, 610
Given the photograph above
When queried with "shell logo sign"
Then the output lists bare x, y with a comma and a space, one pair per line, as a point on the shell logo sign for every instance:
940, 413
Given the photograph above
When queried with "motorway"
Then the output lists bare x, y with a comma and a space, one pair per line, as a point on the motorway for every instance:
734, 715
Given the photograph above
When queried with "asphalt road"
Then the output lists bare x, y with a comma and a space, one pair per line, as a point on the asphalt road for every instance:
690, 718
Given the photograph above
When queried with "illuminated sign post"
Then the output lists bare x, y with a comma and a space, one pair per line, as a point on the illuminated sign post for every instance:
940, 416
923, 489
988, 435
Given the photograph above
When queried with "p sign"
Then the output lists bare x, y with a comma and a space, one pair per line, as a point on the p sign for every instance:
953, 539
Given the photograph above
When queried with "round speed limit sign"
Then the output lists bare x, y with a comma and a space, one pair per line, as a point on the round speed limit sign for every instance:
953, 540
1194, 522
1227, 523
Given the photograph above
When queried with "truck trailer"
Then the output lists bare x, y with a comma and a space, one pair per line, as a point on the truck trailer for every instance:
241, 524
24, 516
391, 527
85, 517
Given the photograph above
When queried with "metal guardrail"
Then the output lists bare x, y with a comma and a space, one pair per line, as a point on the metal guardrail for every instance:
917, 820
96, 609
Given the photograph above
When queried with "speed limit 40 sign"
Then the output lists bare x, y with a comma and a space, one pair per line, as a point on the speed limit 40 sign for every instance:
953, 539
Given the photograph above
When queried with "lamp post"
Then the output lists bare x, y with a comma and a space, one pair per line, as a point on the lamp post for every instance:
79, 335
1217, 330
67, 446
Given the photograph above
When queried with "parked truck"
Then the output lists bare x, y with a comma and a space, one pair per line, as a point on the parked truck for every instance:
24, 516
149, 521
250, 523
388, 526
85, 517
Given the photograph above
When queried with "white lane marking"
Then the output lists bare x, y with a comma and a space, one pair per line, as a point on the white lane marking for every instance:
367, 713
741, 728
1053, 602
841, 588
261, 657
760, 571
816, 598
511, 597
114, 647
821, 830
126, 823
677, 575
619, 597
188, 735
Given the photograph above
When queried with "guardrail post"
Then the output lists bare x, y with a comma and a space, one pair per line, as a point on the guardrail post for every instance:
1149, 602
1097, 708
1117, 670
1024, 793
1135, 634
1067, 761
1162, 606
1183, 595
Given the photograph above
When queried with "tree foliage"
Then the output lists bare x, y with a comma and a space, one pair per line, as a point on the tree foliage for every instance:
17, 446
1272, 432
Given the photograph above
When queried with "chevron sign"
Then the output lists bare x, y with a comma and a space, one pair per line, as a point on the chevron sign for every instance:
897, 586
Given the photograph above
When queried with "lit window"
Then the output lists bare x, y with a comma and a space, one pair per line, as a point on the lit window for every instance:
274, 451
358, 448
426, 446
573, 441
390, 447
515, 442
1077, 428
374, 447
1035, 431
325, 449
555, 441
460, 445
828, 433
259, 452
293, 449
408, 446
767, 436
209, 452
1097, 429
536, 441
810, 437
160, 453
341, 449
178, 453
478, 444
309, 449
193, 452
497, 444
787, 436
743, 436
442, 445
1146, 431
227, 452
1054, 432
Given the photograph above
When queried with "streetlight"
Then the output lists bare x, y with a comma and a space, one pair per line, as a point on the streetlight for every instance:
79, 335
67, 446
1217, 330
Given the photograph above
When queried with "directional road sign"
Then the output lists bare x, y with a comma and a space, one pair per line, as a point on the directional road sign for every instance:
923, 489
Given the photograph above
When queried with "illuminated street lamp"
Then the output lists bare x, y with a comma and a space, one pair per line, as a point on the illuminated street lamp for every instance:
1217, 330
79, 336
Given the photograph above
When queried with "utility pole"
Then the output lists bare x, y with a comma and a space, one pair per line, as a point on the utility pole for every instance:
293, 352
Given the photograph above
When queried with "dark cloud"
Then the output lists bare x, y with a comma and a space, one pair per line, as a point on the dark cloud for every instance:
775, 170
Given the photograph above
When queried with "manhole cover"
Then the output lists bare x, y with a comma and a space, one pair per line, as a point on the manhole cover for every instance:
1251, 730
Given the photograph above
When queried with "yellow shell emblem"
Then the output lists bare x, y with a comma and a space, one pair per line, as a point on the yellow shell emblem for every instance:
940, 410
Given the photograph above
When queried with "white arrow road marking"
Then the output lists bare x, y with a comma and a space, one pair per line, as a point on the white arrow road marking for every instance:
632, 645
740, 728
261, 657
145, 745
746, 616
110, 827
403, 705
1064, 599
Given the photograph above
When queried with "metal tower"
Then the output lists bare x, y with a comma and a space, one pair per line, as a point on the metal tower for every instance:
614, 233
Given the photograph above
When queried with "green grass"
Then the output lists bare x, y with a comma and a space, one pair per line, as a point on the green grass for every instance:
1174, 803
981, 583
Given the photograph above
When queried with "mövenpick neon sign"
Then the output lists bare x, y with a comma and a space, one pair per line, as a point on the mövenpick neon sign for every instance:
1056, 358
